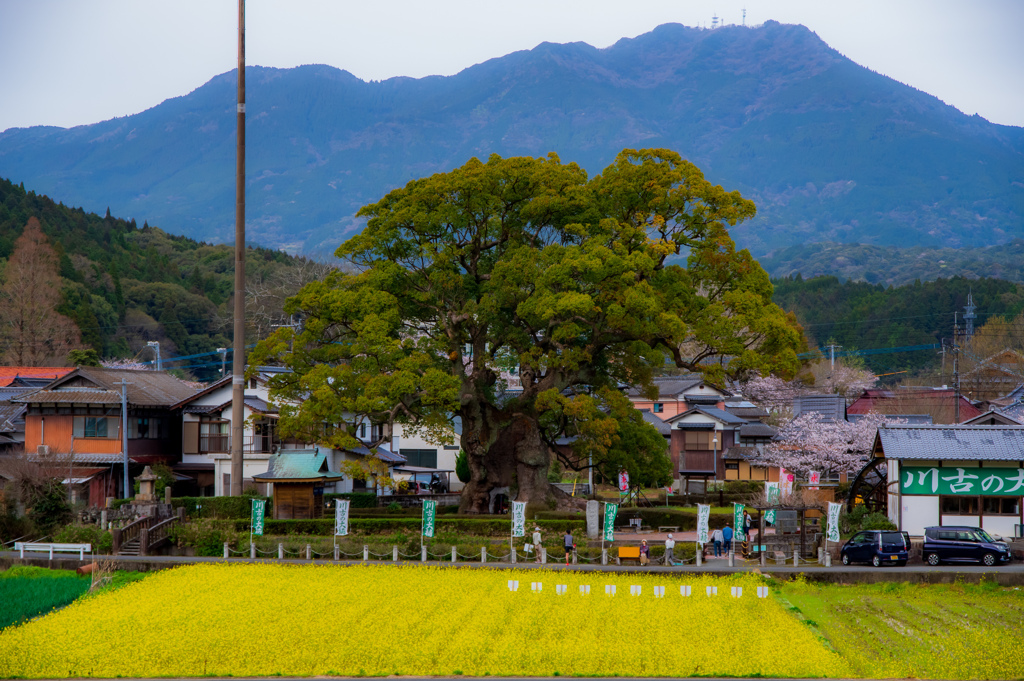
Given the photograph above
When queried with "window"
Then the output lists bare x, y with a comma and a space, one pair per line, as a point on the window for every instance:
732, 465
362, 431
95, 426
659, 407
1001, 505
144, 428
959, 505
422, 458
699, 439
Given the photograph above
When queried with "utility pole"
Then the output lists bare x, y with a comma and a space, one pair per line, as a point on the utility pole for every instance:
156, 346
238, 359
956, 372
223, 360
124, 432
832, 355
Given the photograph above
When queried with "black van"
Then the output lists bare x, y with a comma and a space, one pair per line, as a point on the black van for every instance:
878, 547
957, 544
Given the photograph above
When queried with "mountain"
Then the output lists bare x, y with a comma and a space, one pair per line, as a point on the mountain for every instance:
125, 285
829, 150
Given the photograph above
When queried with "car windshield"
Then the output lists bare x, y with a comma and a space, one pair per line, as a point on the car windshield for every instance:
985, 536
892, 538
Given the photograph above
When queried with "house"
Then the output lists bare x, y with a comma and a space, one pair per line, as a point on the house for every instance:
678, 394
953, 475
939, 403
828, 406
206, 437
710, 443
992, 418
75, 423
993, 376
425, 457
12, 420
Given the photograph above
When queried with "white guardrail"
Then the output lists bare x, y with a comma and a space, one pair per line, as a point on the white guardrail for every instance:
80, 549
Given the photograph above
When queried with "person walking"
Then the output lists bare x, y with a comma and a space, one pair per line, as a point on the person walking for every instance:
670, 545
536, 544
727, 536
645, 552
748, 524
717, 538
569, 545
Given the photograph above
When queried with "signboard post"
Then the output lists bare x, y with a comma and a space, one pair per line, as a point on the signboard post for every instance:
772, 494
953, 481
259, 507
429, 517
610, 511
832, 530
340, 520
518, 522
737, 522
703, 518
813, 479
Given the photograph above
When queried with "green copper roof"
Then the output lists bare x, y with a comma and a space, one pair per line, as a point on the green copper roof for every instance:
298, 464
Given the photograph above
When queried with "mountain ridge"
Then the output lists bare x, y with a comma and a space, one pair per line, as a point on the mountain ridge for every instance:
827, 149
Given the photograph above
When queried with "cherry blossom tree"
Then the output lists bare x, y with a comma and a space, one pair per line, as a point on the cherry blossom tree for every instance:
812, 443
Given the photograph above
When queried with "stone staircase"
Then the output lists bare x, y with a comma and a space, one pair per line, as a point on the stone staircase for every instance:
129, 548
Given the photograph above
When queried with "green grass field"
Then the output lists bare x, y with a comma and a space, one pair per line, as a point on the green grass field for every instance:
892, 630
28, 591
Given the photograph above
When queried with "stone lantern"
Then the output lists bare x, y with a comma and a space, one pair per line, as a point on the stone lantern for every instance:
147, 485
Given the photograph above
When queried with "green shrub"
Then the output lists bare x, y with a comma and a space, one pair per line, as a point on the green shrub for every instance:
220, 507
861, 518
101, 540
207, 536
377, 526
356, 499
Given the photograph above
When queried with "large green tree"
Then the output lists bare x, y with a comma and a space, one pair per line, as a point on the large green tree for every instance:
520, 295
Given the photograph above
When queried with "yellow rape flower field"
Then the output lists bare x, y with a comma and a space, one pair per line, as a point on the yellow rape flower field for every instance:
260, 620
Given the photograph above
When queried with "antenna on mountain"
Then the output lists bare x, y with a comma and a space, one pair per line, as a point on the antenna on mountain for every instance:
714, 21
744, 16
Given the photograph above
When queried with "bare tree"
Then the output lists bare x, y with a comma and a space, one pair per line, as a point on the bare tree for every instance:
32, 333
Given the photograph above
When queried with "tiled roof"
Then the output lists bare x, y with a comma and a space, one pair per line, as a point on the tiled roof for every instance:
298, 464
72, 396
963, 443
8, 374
745, 453
673, 386
908, 419
828, 406
663, 428
757, 430
719, 415
383, 453
752, 412
260, 405
99, 385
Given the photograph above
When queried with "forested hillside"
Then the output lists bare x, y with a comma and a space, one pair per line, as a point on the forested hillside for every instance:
868, 317
124, 285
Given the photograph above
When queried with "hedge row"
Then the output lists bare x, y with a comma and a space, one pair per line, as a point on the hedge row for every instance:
220, 507
357, 499
469, 526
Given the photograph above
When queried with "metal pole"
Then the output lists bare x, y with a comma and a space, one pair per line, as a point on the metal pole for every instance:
124, 434
590, 471
238, 358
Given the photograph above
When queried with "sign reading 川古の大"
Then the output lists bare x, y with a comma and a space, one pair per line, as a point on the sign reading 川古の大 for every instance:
976, 481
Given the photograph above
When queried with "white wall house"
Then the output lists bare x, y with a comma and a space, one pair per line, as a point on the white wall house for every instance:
954, 475
424, 453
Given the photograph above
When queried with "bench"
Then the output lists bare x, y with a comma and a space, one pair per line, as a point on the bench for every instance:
628, 553
668, 528
80, 549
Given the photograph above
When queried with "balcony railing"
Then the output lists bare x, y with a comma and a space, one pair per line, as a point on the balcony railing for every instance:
219, 444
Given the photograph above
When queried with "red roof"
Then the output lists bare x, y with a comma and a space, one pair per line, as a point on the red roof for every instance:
937, 402
8, 374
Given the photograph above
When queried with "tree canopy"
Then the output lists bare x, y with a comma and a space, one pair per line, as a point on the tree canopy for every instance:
521, 295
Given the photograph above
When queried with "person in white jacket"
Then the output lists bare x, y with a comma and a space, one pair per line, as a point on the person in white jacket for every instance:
717, 538
536, 544
670, 545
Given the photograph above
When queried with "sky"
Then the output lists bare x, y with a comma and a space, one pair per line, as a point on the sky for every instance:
74, 62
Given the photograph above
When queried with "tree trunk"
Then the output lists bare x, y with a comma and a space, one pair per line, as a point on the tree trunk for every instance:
506, 451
